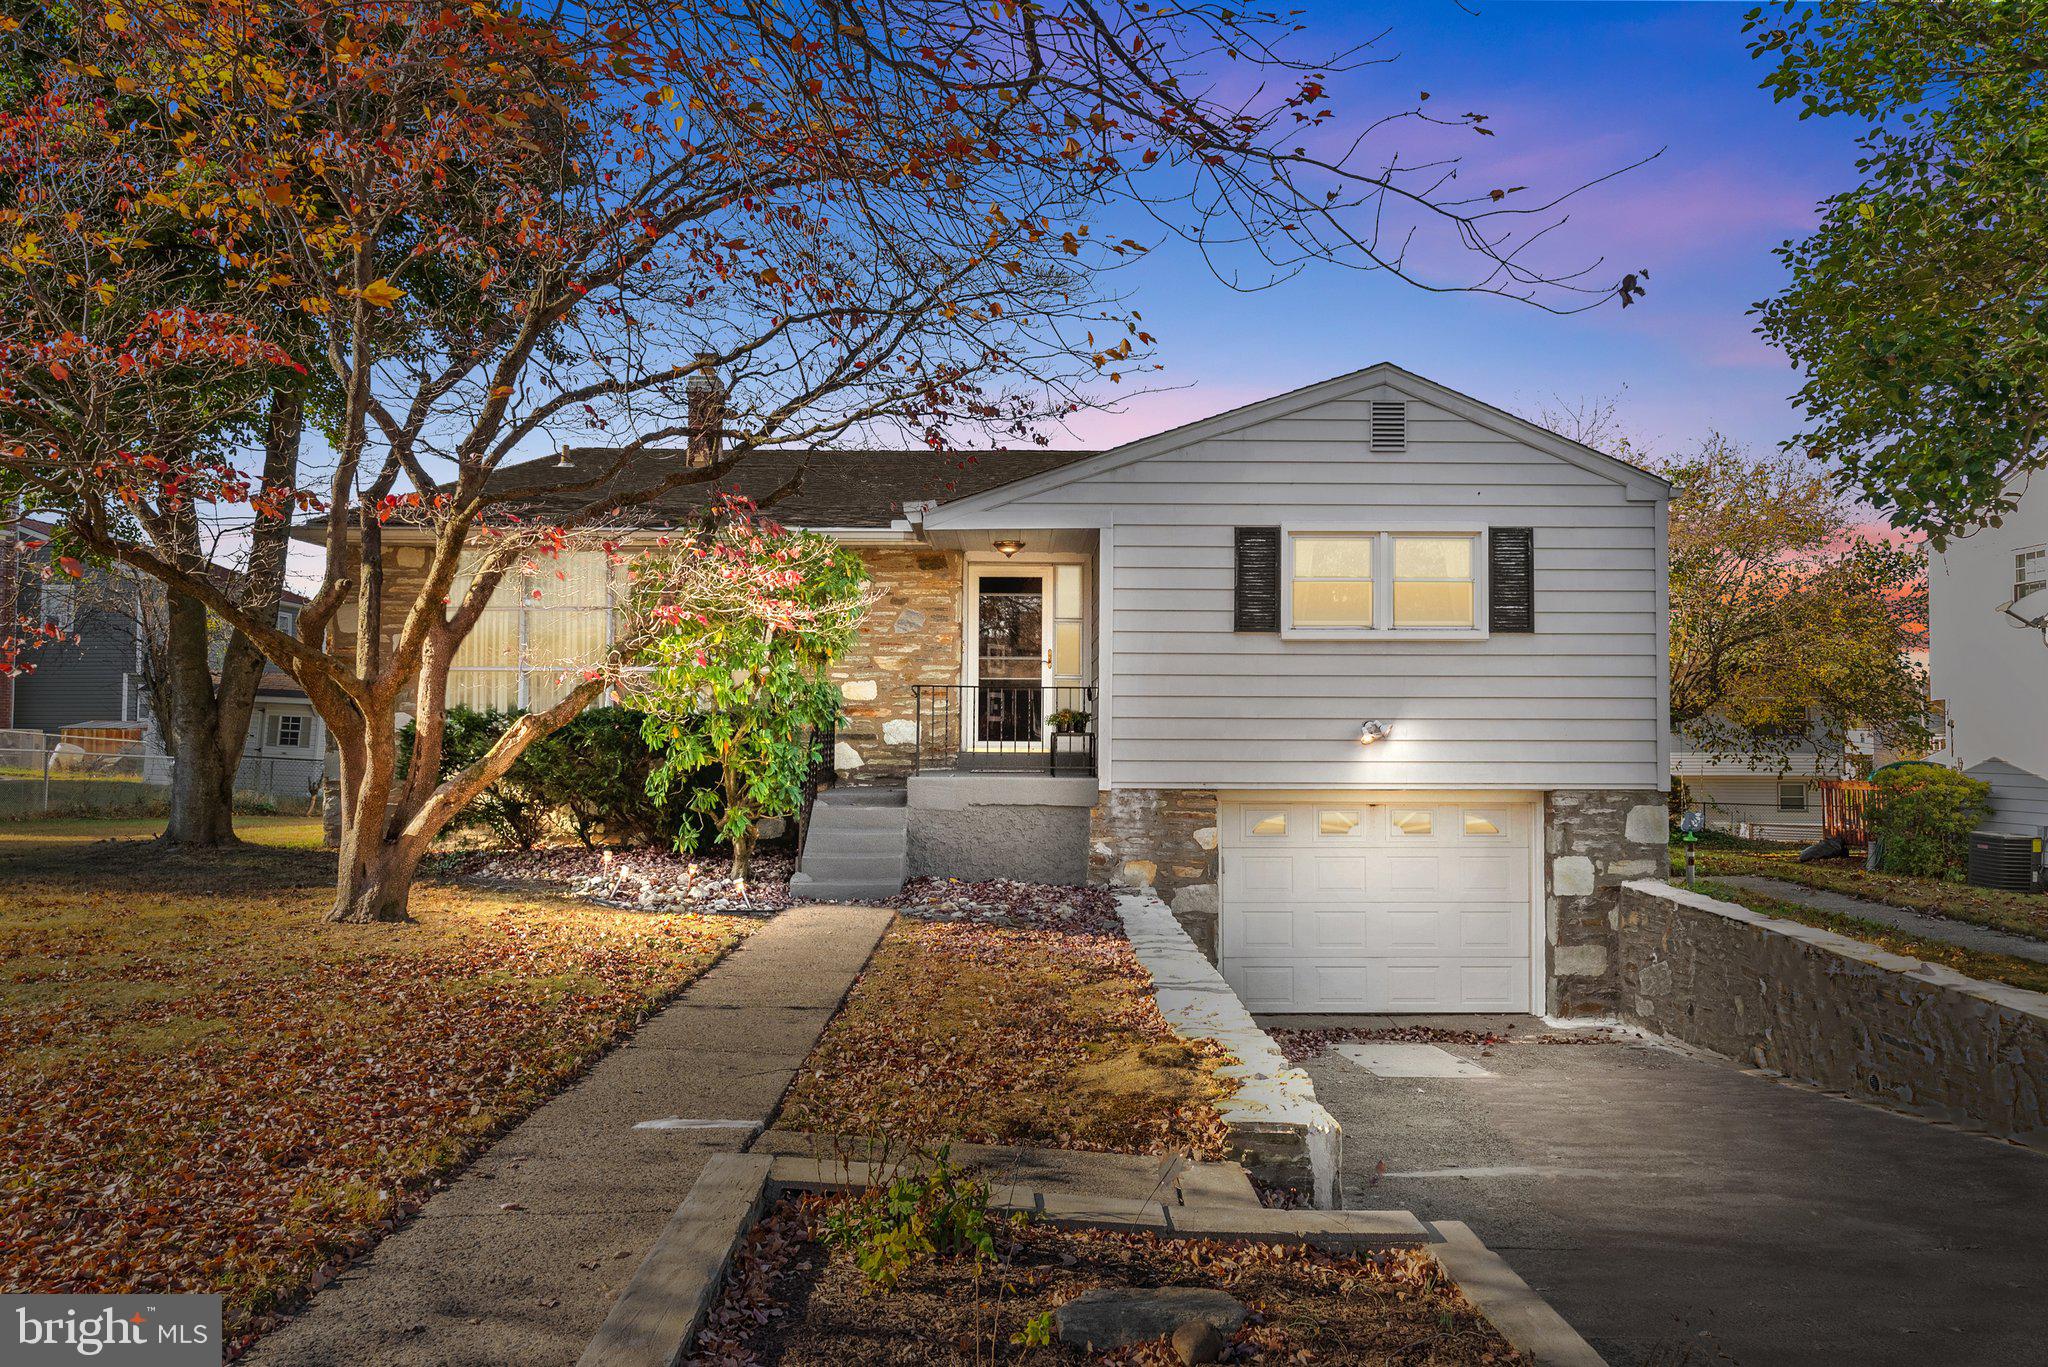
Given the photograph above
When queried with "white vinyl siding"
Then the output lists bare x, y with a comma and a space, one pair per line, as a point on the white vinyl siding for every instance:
1195, 704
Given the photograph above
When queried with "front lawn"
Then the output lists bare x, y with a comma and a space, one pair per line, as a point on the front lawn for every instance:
205, 1087
2000, 968
1009, 1014
2020, 913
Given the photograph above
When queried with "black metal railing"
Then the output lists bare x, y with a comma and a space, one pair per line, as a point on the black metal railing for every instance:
1047, 728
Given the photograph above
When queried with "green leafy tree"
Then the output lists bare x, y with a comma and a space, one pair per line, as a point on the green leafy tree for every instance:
1917, 309
1789, 626
741, 621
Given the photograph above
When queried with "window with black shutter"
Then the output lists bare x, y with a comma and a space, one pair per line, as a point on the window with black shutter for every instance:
1511, 579
1258, 579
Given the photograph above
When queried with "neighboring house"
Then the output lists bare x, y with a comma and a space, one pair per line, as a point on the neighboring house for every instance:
100, 680
1989, 666
1762, 798
1235, 605
97, 679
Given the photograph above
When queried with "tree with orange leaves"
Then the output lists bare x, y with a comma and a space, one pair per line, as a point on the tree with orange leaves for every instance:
509, 233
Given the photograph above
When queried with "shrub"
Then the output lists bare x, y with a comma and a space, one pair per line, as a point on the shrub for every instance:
919, 1217
1922, 816
588, 779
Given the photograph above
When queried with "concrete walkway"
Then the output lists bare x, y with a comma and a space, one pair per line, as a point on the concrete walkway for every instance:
519, 1260
1962, 934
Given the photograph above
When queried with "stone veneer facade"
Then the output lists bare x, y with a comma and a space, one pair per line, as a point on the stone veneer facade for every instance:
1163, 839
911, 636
1596, 840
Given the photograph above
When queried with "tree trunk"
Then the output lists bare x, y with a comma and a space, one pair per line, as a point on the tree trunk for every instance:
206, 719
743, 843
202, 772
743, 857
374, 881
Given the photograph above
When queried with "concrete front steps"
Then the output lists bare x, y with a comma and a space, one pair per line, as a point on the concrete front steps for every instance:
856, 847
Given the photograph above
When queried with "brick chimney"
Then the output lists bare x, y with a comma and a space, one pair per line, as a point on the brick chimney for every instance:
707, 411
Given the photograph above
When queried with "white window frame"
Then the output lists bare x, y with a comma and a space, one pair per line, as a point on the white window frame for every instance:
277, 724
2019, 579
1383, 535
1805, 800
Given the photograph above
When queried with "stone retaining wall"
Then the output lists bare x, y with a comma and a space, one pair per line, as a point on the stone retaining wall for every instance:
1278, 1129
1835, 1012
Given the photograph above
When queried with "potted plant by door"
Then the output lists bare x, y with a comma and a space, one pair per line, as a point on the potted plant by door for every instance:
1069, 721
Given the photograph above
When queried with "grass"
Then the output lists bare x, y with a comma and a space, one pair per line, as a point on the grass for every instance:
278, 832
988, 1035
2019, 913
206, 1087
1999, 968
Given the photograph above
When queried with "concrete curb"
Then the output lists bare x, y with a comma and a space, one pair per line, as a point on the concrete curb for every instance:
1523, 1318
1281, 1132
676, 1283
675, 1286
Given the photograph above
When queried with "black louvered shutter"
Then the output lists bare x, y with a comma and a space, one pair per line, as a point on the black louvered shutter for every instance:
1258, 579
1511, 579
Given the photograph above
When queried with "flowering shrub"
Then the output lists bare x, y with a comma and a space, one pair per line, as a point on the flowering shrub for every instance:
742, 620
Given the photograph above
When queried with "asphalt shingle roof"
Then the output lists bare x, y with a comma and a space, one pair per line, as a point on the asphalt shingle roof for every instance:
839, 488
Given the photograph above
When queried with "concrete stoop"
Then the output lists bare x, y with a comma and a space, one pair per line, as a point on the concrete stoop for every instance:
856, 848
1277, 1127
661, 1309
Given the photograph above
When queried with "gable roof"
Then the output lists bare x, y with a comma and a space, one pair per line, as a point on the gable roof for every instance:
839, 489
1642, 484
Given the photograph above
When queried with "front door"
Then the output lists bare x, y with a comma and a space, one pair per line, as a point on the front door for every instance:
1012, 653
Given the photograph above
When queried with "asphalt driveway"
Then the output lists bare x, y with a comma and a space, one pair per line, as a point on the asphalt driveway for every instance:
1677, 1210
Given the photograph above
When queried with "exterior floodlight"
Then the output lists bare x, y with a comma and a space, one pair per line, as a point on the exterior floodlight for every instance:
1372, 731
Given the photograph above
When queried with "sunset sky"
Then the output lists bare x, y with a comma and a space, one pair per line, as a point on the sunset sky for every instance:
1574, 90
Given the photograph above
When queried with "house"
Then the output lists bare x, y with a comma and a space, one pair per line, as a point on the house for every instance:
1367, 680
1763, 797
100, 681
1988, 620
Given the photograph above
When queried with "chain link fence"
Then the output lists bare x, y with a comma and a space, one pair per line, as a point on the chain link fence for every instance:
1761, 820
97, 771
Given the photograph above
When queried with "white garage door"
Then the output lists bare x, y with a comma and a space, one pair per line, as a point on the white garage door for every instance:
1347, 905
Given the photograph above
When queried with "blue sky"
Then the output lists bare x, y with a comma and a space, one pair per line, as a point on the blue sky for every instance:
1573, 90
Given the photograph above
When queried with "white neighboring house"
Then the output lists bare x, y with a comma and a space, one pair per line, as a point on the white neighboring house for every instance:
1756, 799
1989, 666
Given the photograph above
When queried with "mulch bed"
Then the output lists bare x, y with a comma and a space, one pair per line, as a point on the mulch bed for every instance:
789, 1300
635, 879
1299, 1046
1009, 1013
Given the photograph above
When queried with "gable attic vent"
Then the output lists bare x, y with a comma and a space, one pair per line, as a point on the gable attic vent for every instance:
1389, 426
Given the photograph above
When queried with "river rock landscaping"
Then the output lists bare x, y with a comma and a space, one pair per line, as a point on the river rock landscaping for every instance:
642, 879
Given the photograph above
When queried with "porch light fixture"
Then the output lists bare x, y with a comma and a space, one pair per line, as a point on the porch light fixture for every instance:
1009, 546
1371, 731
